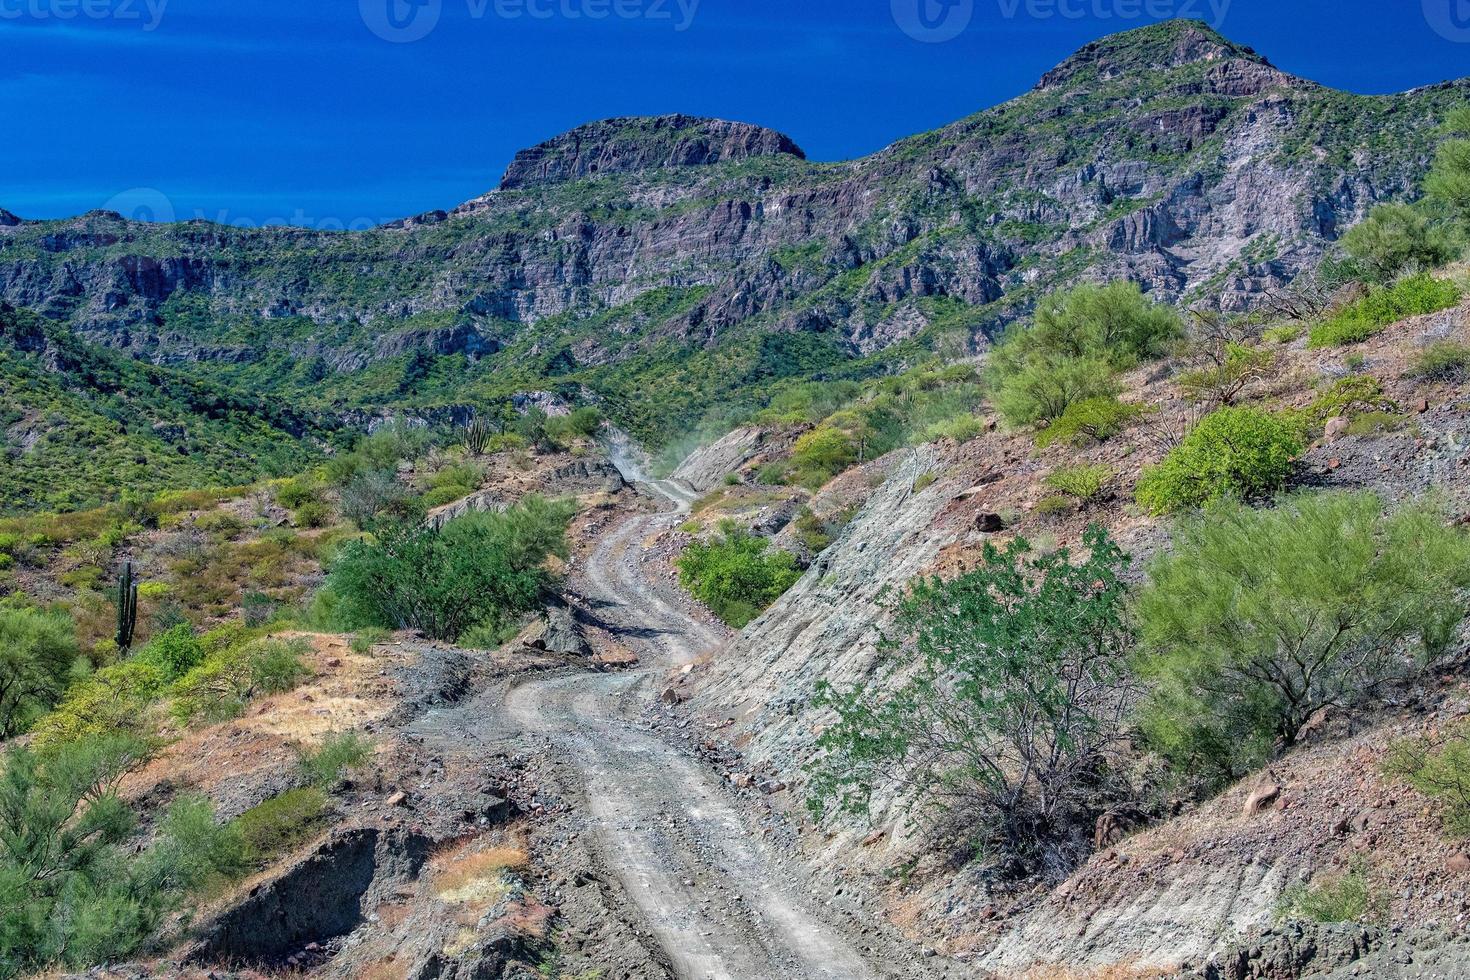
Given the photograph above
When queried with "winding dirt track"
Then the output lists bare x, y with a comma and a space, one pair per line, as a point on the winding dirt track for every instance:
718, 901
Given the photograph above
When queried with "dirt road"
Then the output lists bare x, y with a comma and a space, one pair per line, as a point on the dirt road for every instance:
717, 899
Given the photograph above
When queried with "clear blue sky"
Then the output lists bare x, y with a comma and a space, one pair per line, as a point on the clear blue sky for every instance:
253, 110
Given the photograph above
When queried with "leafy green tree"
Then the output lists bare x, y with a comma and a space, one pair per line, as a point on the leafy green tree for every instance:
1115, 322
1232, 452
70, 892
1258, 619
1012, 684
38, 657
1448, 183
1397, 238
737, 575
480, 569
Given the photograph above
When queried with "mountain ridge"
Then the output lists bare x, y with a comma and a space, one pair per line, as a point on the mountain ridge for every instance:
712, 258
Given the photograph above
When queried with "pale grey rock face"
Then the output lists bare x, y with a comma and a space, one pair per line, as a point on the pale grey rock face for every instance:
706, 467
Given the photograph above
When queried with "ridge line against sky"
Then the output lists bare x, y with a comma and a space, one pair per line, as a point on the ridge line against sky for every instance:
353, 113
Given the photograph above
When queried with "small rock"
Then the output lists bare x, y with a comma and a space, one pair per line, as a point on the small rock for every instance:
874, 837
1421, 406
397, 799
1261, 798
988, 523
1458, 863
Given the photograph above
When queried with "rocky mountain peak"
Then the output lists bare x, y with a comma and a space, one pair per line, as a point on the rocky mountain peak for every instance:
635, 143
1171, 44
8, 220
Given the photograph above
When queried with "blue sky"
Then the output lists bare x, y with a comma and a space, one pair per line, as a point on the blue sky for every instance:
298, 111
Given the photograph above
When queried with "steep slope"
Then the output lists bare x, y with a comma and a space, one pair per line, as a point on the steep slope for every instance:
77, 424
644, 256
1183, 889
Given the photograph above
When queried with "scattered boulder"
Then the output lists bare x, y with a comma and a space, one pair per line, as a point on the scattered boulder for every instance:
1337, 427
1262, 798
989, 523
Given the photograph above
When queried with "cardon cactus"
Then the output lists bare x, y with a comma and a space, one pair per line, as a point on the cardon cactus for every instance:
477, 437
127, 607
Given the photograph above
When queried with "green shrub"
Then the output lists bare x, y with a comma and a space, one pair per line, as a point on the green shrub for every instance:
736, 575
1258, 619
1083, 482
1448, 184
1056, 505
364, 640
1284, 334
1439, 767
1041, 388
338, 753
1346, 897
74, 894
282, 823
1014, 691
221, 686
1383, 306
294, 494
1077, 341
115, 699
480, 569
1239, 452
1233, 368
313, 514
1443, 360
175, 651
820, 455
38, 660
1089, 420
1397, 238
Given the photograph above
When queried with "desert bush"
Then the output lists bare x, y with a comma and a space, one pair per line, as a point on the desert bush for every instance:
1229, 368
372, 495
364, 640
1448, 184
1443, 360
1284, 333
1018, 689
71, 893
1260, 618
1383, 306
1041, 387
736, 575
293, 494
312, 514
1085, 482
339, 753
1077, 341
580, 423
1345, 897
478, 569
1439, 767
1395, 239
221, 686
38, 660
282, 823
1089, 420
1237, 452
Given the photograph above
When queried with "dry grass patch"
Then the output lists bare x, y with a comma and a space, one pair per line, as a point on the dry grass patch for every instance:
477, 877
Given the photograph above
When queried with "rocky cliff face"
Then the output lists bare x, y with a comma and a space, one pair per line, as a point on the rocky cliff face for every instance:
1167, 155
622, 146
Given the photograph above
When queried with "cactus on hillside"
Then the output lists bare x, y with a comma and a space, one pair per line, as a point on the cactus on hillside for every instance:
127, 607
